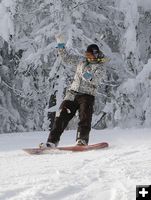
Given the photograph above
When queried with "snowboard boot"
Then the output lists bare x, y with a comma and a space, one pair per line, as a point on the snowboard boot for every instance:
47, 145
81, 142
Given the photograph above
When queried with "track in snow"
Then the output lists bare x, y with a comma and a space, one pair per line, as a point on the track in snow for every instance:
109, 174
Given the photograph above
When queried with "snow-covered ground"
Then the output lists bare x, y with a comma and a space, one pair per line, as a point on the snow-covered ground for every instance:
108, 174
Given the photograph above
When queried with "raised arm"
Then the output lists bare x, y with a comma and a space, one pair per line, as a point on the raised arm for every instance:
67, 57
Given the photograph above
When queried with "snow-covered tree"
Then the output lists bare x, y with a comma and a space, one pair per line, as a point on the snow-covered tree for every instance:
33, 79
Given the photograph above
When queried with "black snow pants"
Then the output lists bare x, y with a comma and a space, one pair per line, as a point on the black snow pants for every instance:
84, 104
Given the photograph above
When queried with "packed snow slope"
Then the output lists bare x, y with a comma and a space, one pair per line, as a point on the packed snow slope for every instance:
107, 174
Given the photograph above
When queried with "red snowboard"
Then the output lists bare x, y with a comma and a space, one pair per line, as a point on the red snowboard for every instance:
66, 148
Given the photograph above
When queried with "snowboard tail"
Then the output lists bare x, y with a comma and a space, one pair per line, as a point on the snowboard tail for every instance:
46, 150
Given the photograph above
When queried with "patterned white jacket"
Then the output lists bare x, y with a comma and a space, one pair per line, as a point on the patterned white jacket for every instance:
87, 76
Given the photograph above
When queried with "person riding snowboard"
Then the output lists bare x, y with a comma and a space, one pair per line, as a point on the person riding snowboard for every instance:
81, 94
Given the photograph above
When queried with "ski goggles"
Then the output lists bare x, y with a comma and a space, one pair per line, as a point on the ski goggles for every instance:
96, 53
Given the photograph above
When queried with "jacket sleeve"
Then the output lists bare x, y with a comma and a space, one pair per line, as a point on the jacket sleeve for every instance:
69, 58
101, 71
101, 74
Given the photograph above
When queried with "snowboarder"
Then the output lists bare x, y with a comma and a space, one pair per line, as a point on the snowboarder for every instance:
81, 94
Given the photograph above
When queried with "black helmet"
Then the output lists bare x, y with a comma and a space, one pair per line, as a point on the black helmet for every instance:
92, 47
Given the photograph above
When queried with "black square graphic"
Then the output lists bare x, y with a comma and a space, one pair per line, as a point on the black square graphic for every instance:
143, 192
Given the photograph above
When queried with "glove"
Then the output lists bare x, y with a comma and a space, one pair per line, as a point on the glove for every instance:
60, 41
59, 38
